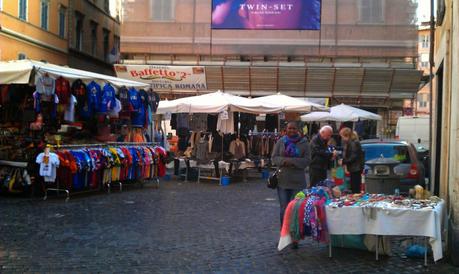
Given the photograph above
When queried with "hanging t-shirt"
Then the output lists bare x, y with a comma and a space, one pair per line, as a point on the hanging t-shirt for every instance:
45, 85
63, 90
225, 126
79, 91
94, 91
154, 101
69, 114
48, 165
107, 100
123, 95
134, 99
139, 117
144, 97
114, 113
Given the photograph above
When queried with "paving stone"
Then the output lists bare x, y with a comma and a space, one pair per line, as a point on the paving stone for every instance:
178, 228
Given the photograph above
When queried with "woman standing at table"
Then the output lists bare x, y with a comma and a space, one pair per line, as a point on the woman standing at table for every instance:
292, 156
353, 157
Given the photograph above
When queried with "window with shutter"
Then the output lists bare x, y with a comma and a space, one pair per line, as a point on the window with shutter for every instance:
163, 10
62, 13
44, 14
23, 9
371, 11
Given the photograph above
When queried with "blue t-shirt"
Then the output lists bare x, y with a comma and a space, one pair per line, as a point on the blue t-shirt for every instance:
107, 98
138, 117
93, 92
134, 99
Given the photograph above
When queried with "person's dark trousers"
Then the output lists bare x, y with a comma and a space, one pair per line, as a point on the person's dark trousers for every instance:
317, 175
356, 181
285, 196
217, 170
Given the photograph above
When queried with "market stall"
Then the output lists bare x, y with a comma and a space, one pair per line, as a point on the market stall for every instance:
46, 109
216, 119
322, 212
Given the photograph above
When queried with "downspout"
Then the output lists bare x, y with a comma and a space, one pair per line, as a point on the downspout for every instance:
431, 76
194, 28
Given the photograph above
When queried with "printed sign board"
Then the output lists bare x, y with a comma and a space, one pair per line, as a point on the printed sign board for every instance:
266, 14
165, 77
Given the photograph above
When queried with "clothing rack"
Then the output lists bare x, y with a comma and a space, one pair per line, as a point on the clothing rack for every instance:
104, 144
132, 143
13, 164
263, 133
57, 189
156, 179
79, 145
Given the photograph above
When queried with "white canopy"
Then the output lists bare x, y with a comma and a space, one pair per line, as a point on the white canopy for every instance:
214, 103
347, 113
19, 72
318, 116
288, 104
341, 113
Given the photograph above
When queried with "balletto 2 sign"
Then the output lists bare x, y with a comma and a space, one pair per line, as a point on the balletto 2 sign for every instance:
165, 77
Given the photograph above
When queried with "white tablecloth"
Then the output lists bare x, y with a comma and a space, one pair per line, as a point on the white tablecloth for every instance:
391, 222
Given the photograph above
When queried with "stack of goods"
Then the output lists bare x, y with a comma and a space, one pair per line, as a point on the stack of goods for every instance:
383, 201
305, 216
92, 168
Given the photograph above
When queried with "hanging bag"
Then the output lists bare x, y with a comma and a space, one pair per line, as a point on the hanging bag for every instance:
272, 181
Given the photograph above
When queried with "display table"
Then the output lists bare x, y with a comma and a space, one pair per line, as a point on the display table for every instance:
389, 221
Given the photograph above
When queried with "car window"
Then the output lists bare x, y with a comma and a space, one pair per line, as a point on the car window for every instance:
394, 151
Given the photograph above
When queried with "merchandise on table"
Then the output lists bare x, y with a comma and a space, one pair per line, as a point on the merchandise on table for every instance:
383, 201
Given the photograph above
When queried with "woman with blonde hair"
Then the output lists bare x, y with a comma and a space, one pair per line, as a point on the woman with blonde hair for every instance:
353, 157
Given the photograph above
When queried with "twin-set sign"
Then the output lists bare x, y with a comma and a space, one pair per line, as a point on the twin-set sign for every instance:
165, 77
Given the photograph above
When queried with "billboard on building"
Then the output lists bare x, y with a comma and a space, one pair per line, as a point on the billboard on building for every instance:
165, 77
266, 14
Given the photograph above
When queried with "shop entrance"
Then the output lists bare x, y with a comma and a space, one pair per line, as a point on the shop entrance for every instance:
438, 130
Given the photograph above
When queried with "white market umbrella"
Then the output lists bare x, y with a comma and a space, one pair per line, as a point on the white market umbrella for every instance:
317, 116
341, 113
289, 104
214, 103
346, 113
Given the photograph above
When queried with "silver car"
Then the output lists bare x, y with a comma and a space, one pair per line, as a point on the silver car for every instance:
411, 169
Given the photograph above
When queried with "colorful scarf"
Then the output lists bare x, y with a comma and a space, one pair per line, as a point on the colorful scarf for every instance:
291, 150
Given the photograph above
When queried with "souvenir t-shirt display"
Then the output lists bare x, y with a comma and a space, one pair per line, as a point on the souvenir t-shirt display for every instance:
48, 162
63, 90
69, 114
94, 91
79, 91
107, 100
45, 85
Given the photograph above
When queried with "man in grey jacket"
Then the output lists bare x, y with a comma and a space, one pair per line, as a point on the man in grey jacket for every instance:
292, 156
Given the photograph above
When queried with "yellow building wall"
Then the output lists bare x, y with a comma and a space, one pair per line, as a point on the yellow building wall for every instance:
447, 55
10, 48
27, 37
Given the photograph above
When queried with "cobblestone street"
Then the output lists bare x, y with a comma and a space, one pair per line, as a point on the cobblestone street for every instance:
178, 228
